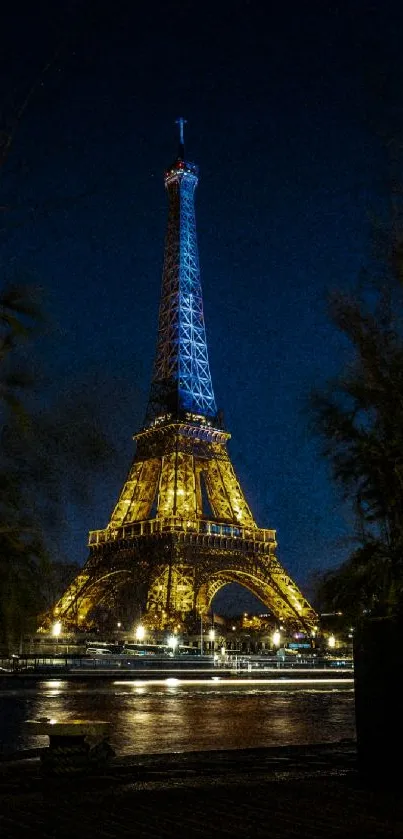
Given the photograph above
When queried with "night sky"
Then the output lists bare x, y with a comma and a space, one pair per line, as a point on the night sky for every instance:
285, 106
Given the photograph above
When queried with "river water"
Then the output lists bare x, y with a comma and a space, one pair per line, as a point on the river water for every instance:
171, 716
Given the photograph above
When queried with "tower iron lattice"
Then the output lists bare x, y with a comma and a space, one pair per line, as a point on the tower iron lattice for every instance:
181, 528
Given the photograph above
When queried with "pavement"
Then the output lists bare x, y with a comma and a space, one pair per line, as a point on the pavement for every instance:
295, 791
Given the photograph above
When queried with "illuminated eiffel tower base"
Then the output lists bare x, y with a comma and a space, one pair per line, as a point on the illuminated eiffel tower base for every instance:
181, 529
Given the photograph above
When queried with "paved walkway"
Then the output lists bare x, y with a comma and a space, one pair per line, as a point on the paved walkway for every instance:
300, 792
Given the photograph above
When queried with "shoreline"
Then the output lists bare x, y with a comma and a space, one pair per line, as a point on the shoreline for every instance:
306, 790
181, 675
254, 758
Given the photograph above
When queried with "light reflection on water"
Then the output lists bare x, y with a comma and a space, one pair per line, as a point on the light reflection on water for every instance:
174, 717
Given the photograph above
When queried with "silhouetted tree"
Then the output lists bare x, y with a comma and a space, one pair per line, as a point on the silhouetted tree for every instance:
22, 552
50, 453
359, 419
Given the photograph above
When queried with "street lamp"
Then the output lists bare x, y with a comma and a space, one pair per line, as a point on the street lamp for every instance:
211, 636
331, 641
276, 638
140, 633
173, 642
56, 629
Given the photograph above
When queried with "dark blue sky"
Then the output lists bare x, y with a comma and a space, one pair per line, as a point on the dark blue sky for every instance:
284, 105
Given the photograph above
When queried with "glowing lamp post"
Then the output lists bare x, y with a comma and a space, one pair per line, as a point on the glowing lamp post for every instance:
276, 638
331, 642
140, 633
56, 630
173, 643
211, 636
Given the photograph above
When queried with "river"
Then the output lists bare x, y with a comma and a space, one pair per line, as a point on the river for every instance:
179, 716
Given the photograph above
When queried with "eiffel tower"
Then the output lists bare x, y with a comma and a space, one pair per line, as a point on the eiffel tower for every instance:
182, 528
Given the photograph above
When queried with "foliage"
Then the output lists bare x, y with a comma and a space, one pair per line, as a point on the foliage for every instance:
359, 420
50, 452
22, 553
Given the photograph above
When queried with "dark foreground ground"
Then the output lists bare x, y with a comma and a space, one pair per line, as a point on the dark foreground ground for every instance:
285, 792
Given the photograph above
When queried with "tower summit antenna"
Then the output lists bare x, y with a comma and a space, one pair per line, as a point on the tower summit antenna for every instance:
181, 122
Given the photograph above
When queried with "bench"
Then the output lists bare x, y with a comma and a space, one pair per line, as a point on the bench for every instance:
74, 745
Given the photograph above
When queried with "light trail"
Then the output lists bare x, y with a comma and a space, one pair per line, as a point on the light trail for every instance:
168, 683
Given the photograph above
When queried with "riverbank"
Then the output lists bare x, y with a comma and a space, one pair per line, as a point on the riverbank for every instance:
305, 791
15, 680
181, 669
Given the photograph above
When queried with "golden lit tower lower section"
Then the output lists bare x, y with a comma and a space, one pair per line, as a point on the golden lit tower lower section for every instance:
180, 531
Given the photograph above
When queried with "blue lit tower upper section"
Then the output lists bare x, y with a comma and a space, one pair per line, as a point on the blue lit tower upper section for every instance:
181, 381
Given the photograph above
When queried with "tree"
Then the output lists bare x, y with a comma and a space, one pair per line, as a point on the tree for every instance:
51, 451
22, 553
359, 420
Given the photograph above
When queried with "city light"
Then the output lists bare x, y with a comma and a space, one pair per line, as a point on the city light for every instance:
331, 641
276, 638
173, 642
140, 633
56, 629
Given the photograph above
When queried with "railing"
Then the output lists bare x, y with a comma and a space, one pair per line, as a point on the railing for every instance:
239, 663
176, 524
